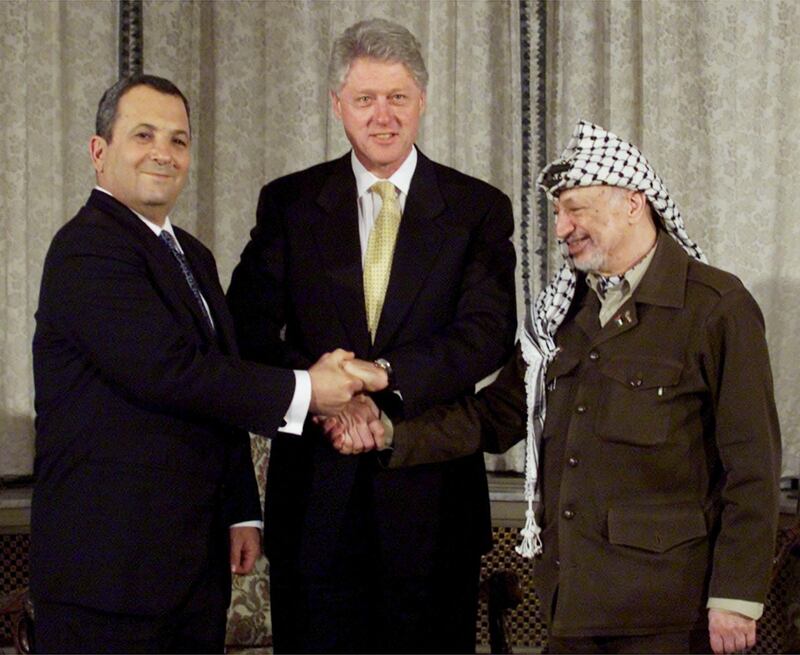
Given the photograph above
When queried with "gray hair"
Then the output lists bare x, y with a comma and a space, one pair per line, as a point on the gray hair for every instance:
377, 39
109, 103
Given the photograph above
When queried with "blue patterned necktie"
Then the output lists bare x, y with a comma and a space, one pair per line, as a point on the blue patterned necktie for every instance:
169, 241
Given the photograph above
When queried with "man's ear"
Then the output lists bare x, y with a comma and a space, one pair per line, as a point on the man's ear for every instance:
422, 102
636, 206
97, 151
336, 104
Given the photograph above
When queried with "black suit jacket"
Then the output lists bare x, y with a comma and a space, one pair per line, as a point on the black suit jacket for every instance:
448, 320
142, 452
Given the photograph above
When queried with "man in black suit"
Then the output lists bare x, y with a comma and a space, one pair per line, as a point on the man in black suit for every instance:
416, 273
145, 498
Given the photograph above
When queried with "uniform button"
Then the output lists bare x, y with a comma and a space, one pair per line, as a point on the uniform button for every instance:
558, 563
568, 514
572, 461
581, 409
594, 355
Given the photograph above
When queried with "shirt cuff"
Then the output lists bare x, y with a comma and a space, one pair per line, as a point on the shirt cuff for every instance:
388, 431
298, 409
744, 607
249, 524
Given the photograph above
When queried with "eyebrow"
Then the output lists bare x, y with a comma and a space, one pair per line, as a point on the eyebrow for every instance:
149, 126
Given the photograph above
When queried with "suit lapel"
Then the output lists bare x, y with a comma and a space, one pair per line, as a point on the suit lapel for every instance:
212, 292
336, 232
167, 272
418, 243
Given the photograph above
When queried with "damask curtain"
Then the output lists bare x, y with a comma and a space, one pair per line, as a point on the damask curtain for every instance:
710, 91
255, 75
258, 73
56, 59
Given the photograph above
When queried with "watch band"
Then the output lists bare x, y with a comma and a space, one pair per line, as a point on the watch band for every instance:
386, 366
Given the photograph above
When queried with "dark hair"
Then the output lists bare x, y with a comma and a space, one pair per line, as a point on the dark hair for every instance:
107, 109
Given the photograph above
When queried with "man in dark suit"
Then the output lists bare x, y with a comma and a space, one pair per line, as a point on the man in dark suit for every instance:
408, 263
145, 498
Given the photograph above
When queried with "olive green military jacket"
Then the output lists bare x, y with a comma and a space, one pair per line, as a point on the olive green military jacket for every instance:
660, 455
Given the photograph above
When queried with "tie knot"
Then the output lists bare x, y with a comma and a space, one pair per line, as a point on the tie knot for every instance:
384, 189
166, 237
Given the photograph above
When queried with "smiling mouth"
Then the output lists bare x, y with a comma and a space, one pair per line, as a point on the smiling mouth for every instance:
384, 136
577, 244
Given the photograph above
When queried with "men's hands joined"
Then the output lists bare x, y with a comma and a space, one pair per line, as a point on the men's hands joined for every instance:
373, 377
356, 429
337, 376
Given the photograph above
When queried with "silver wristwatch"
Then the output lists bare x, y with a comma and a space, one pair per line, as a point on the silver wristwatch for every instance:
386, 366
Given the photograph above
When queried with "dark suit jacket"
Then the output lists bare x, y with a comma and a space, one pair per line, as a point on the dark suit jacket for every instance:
660, 454
142, 455
448, 321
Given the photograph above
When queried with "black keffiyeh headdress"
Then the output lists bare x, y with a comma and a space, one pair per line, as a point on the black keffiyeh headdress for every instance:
592, 157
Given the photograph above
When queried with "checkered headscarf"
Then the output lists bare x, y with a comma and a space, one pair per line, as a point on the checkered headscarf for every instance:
592, 157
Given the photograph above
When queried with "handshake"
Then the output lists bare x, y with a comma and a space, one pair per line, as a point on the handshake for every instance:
350, 418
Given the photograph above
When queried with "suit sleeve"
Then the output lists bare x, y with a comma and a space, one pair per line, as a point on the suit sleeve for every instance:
241, 501
448, 362
493, 421
260, 317
103, 298
747, 436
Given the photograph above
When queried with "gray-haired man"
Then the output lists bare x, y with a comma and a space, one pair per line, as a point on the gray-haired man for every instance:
407, 263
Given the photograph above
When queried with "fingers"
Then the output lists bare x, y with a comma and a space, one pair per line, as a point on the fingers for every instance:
357, 428
378, 433
730, 632
245, 544
331, 387
373, 377
339, 356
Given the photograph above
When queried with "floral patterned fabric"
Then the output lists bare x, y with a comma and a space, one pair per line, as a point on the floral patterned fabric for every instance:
249, 622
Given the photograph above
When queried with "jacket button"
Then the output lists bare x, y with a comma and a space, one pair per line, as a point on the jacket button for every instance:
581, 409
594, 355
572, 461
568, 514
558, 563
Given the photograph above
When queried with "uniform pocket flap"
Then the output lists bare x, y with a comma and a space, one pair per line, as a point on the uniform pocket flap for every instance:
656, 528
561, 365
643, 372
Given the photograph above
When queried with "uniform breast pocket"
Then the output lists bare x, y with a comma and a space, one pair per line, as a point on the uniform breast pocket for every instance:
559, 383
636, 400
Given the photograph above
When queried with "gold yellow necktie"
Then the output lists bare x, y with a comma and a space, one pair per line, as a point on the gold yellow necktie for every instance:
380, 249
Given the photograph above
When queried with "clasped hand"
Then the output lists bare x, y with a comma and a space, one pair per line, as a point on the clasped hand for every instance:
350, 418
338, 376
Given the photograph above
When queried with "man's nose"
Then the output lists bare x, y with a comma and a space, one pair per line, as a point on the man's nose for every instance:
564, 225
161, 152
383, 112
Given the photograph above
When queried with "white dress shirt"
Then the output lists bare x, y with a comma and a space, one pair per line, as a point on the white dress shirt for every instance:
369, 202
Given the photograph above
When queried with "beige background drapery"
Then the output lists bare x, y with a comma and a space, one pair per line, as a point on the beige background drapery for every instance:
255, 74
709, 90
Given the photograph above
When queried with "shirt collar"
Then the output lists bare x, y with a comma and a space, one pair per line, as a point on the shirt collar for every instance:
157, 229
401, 178
629, 280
